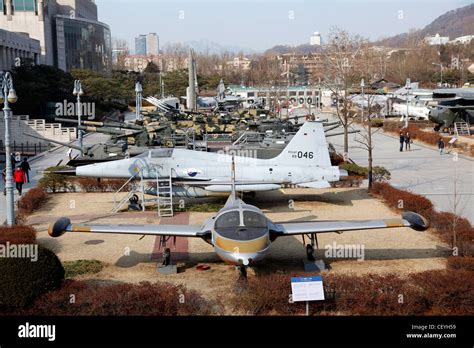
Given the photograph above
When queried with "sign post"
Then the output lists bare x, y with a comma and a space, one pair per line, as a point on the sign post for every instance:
305, 289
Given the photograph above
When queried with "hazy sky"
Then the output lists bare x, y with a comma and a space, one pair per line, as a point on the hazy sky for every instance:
261, 24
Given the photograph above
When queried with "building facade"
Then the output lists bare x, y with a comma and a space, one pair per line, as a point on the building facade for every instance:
15, 48
147, 45
315, 39
152, 44
53, 22
140, 45
240, 63
83, 44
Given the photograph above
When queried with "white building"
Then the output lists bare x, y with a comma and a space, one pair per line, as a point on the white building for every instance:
471, 68
437, 40
152, 44
240, 63
315, 39
464, 40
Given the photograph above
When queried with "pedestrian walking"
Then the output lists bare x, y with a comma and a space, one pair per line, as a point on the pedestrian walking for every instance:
402, 141
25, 166
19, 178
69, 153
451, 143
407, 142
13, 161
441, 146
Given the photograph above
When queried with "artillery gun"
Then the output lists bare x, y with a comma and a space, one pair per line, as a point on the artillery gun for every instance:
98, 152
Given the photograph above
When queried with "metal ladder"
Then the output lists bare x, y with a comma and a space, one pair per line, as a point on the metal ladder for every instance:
164, 192
462, 128
136, 188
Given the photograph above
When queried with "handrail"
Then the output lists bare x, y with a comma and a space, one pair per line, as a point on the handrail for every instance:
126, 183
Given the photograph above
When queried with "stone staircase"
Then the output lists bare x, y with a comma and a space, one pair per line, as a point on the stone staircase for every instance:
21, 124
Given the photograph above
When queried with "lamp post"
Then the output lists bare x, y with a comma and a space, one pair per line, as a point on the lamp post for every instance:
138, 100
441, 71
408, 87
78, 92
8, 95
362, 85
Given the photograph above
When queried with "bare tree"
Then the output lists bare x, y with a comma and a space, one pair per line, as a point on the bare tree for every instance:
341, 61
365, 137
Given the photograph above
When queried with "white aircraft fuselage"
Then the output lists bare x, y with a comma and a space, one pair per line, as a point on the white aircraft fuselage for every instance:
305, 161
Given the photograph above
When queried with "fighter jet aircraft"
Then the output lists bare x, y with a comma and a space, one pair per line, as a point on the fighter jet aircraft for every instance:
305, 162
240, 233
455, 105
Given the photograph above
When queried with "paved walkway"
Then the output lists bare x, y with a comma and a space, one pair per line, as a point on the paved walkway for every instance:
52, 158
422, 170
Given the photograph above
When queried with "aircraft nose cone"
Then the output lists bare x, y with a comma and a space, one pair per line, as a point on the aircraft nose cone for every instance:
68, 171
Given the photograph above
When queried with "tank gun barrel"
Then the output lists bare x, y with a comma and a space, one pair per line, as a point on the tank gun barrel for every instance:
54, 141
101, 124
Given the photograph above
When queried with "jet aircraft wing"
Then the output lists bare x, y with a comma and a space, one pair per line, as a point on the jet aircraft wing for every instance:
64, 225
409, 219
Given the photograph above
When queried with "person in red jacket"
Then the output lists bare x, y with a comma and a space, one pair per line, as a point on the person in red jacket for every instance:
19, 178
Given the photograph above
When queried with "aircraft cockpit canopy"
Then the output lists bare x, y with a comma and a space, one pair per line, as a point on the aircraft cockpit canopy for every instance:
157, 153
241, 225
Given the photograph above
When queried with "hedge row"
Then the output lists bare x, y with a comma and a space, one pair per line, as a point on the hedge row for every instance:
416, 133
448, 292
53, 183
31, 200
148, 299
444, 223
17, 235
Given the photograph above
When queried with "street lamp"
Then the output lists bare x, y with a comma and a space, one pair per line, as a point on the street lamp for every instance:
441, 69
362, 85
79, 92
407, 87
8, 95
138, 100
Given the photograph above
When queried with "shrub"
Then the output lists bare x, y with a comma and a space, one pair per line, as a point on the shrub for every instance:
52, 182
95, 185
432, 292
461, 262
89, 184
31, 201
399, 199
161, 299
354, 169
17, 235
444, 223
23, 280
429, 137
80, 267
380, 174
376, 122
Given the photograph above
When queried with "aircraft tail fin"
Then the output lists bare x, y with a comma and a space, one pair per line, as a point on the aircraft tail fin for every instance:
308, 147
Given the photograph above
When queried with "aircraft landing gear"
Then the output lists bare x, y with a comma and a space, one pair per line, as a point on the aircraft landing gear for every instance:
166, 257
310, 253
310, 247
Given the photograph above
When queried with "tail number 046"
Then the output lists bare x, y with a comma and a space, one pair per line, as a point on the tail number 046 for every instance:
301, 154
